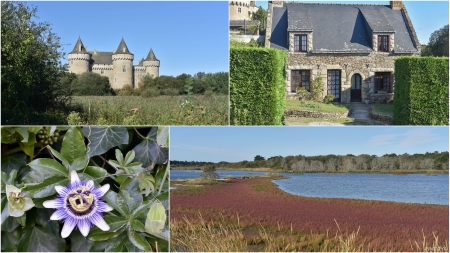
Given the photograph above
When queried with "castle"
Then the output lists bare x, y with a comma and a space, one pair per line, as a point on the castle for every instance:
240, 10
117, 65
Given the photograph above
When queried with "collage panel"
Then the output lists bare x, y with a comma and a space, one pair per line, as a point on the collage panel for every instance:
81, 189
313, 63
115, 63
258, 189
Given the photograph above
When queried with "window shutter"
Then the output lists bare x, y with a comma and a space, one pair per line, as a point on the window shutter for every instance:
391, 81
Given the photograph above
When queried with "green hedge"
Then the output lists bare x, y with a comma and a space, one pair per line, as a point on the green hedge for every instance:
257, 86
421, 91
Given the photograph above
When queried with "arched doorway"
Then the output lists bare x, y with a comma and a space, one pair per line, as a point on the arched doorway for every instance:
355, 92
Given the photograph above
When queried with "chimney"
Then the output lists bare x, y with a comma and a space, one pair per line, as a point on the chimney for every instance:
396, 5
95, 50
87, 48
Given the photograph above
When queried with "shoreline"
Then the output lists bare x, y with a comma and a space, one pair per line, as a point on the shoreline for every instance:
427, 172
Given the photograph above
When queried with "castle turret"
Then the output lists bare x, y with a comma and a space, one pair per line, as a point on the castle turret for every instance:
79, 58
151, 64
123, 66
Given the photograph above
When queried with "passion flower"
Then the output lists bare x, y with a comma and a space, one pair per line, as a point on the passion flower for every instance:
17, 202
79, 204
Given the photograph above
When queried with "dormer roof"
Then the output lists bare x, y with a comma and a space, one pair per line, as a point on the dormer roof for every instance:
122, 48
79, 47
151, 56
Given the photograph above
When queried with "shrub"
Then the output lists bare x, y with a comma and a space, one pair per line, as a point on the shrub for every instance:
257, 86
170, 92
91, 84
329, 98
421, 91
150, 92
127, 90
317, 89
302, 94
208, 93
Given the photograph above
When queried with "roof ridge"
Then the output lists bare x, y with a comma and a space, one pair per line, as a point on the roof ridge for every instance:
151, 56
339, 4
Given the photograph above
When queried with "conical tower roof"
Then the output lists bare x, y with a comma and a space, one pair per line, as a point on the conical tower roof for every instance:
151, 56
79, 47
122, 48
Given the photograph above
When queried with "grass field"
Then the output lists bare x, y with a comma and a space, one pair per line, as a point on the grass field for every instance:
255, 215
315, 106
383, 109
162, 110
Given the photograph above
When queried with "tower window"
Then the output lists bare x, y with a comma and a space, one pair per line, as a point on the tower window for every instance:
124, 69
239, 9
101, 71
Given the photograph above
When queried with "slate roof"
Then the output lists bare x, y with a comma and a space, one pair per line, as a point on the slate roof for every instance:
340, 27
101, 58
120, 48
76, 48
151, 56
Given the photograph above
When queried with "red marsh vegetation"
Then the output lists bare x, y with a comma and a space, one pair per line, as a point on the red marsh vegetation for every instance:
383, 226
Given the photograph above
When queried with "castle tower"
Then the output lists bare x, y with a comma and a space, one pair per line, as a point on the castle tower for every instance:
243, 9
151, 64
79, 58
123, 66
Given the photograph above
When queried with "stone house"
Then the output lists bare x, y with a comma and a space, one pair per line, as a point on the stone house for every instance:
351, 46
116, 65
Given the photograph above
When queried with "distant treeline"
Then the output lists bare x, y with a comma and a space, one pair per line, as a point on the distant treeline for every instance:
364, 162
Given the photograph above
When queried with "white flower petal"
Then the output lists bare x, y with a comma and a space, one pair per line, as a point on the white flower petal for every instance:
74, 177
84, 227
52, 203
28, 204
58, 215
60, 189
99, 222
14, 212
69, 225
102, 190
90, 184
10, 188
108, 208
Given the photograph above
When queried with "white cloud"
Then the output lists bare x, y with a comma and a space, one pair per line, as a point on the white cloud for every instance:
413, 137
211, 150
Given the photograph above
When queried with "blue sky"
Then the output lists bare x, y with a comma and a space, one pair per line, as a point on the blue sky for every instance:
187, 37
426, 16
231, 144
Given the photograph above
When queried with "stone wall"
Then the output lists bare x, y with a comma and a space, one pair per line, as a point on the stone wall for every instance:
79, 63
107, 70
122, 78
349, 64
246, 8
313, 114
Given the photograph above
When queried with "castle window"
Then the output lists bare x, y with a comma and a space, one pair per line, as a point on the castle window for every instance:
101, 71
124, 69
300, 79
383, 43
239, 9
300, 43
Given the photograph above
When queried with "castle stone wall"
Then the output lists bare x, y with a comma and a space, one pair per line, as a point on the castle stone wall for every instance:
123, 70
246, 7
79, 63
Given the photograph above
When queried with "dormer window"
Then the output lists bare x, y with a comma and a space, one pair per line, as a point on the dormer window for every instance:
124, 49
300, 43
383, 43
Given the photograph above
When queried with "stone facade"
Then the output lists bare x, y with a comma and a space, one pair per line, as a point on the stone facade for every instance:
355, 55
117, 65
240, 10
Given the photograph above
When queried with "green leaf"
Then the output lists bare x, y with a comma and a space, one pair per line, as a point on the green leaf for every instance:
13, 162
22, 219
131, 187
37, 239
156, 218
5, 213
38, 202
114, 222
10, 224
137, 225
129, 157
161, 176
164, 198
10, 241
104, 138
119, 157
12, 177
138, 241
116, 244
79, 242
73, 145
59, 156
79, 164
23, 131
143, 207
116, 201
97, 234
128, 199
96, 172
46, 188
36, 176
27, 148
148, 151
130, 246
49, 165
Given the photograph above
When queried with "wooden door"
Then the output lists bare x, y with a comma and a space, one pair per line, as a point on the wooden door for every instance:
355, 91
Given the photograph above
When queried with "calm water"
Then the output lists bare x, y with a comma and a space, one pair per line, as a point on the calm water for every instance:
414, 188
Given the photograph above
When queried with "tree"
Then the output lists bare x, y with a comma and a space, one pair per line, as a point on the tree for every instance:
209, 172
30, 65
91, 84
259, 158
261, 15
438, 44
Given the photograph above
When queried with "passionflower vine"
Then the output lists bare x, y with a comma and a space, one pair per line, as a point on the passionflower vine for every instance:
17, 202
79, 204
